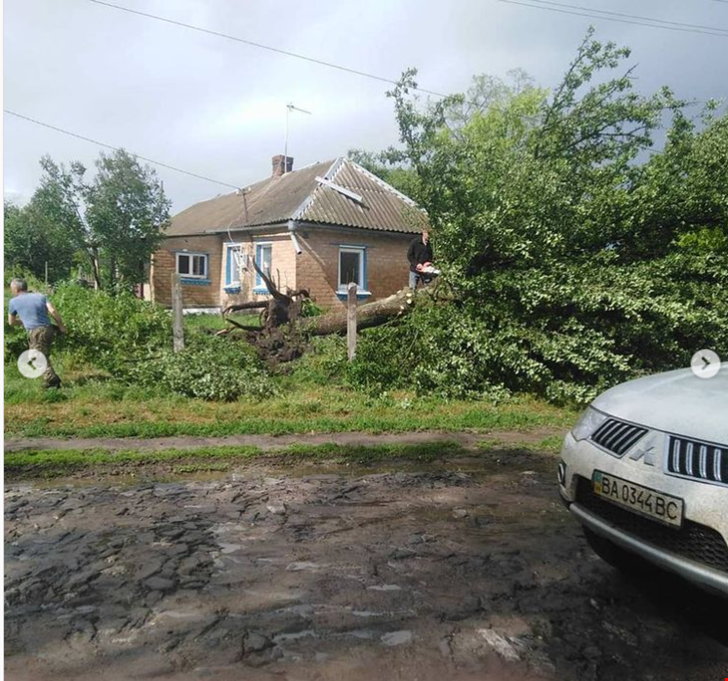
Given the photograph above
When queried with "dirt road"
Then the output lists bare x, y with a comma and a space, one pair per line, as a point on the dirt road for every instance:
469, 569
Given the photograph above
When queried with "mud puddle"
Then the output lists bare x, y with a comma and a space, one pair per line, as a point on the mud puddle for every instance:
464, 569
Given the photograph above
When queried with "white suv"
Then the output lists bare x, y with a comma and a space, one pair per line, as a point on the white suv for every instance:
645, 471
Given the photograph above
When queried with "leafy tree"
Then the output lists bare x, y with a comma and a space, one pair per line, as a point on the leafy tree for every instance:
34, 242
117, 220
579, 254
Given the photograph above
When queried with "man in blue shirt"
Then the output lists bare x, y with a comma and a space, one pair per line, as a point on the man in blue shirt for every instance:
32, 310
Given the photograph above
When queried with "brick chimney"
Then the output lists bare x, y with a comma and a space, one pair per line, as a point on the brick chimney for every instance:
278, 166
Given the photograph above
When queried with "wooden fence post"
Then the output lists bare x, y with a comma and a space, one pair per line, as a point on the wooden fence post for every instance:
178, 334
351, 321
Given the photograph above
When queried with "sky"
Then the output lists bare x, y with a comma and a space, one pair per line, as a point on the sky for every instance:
218, 108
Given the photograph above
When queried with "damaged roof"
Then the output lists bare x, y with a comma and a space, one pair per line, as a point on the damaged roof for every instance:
338, 192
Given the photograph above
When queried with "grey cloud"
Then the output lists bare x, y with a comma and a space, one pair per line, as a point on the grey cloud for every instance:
217, 107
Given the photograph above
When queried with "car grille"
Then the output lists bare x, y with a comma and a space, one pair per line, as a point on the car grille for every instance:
692, 541
697, 460
617, 436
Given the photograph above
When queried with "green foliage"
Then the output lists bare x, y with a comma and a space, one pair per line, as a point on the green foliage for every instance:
131, 340
578, 260
311, 309
127, 212
323, 363
116, 221
437, 350
33, 241
209, 368
110, 331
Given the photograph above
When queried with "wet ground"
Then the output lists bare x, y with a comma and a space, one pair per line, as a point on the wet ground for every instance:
468, 569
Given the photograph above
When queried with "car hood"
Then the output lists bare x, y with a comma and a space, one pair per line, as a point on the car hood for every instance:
676, 402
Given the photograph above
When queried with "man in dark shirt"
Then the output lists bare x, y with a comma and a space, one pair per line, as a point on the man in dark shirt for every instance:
32, 310
419, 253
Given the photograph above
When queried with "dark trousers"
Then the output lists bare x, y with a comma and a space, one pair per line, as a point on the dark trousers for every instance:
41, 339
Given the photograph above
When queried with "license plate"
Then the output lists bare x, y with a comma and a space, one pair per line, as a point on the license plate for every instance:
647, 502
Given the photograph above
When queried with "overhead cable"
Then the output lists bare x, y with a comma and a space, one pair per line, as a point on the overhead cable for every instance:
111, 146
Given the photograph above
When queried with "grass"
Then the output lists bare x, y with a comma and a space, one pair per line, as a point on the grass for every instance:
54, 463
102, 408
92, 404
193, 322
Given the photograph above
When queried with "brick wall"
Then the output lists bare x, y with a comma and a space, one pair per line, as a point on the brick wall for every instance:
318, 265
283, 261
316, 269
164, 265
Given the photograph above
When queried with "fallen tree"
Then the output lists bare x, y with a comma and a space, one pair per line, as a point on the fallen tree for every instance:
284, 331
367, 315
279, 310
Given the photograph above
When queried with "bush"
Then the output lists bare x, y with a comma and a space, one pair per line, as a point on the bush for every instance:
435, 350
323, 362
209, 368
132, 340
311, 309
110, 331
566, 334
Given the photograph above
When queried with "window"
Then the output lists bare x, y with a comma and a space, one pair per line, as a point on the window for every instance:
192, 265
352, 267
235, 262
264, 259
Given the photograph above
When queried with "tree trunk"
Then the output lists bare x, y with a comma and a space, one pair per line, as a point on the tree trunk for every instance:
95, 268
279, 310
367, 315
284, 334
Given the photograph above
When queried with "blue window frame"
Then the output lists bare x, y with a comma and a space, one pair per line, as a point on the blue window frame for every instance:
264, 259
233, 267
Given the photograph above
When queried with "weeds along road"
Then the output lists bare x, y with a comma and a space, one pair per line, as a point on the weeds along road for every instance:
465, 569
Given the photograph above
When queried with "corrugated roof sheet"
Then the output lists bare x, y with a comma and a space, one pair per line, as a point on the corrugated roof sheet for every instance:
382, 207
297, 195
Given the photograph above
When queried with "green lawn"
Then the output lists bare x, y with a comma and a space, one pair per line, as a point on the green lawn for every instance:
92, 405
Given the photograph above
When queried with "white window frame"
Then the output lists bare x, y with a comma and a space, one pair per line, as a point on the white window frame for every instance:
361, 252
235, 267
260, 285
192, 255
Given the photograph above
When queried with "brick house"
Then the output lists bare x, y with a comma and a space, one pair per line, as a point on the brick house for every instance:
317, 228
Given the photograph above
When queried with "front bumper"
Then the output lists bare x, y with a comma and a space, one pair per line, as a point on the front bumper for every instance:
704, 507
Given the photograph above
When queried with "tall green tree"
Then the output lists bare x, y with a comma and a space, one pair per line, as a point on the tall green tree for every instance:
37, 244
117, 220
579, 252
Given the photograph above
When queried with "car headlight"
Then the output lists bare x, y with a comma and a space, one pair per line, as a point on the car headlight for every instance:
589, 421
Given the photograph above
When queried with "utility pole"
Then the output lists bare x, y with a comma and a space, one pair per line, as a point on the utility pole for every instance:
289, 108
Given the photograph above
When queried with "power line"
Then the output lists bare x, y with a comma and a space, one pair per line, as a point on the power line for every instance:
608, 18
261, 46
111, 146
681, 24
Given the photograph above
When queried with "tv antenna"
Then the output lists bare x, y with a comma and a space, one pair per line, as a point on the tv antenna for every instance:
289, 108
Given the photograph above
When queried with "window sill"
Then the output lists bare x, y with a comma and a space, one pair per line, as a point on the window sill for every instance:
343, 295
260, 290
232, 289
193, 281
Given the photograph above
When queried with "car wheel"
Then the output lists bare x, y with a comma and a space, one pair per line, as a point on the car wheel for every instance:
615, 555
